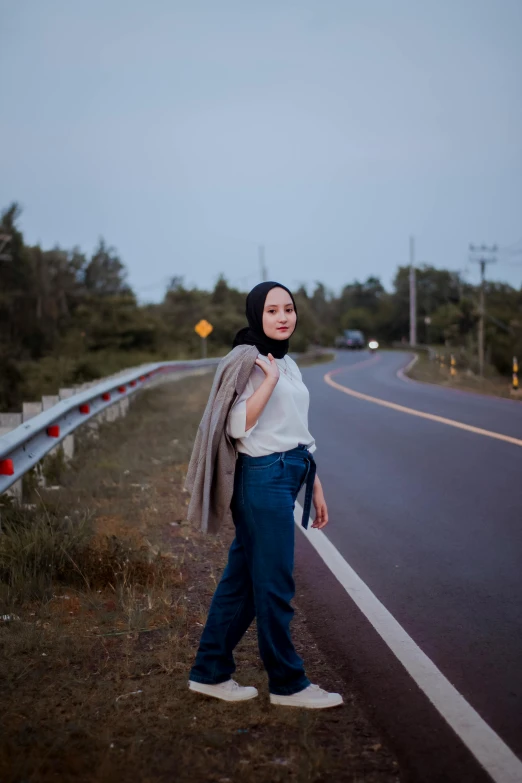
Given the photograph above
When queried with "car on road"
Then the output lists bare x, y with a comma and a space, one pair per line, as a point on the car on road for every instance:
351, 338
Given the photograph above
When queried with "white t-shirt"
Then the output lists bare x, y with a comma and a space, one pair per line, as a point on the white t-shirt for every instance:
283, 424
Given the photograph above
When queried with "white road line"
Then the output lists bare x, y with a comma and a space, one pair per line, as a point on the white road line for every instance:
493, 754
401, 373
375, 359
414, 412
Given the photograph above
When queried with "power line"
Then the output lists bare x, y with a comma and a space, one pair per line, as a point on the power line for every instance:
499, 323
511, 246
509, 253
515, 249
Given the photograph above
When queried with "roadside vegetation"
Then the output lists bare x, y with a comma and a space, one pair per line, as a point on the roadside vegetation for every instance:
104, 590
67, 318
437, 369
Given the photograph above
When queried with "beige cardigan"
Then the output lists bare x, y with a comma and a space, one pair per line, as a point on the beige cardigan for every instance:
210, 474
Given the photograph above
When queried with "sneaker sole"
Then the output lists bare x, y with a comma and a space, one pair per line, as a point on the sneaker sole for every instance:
307, 705
200, 687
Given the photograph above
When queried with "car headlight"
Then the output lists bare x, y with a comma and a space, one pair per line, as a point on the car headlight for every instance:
373, 344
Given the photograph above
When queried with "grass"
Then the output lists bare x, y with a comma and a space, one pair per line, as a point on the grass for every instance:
431, 371
106, 588
36, 551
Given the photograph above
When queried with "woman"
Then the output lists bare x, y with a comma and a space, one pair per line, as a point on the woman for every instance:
266, 420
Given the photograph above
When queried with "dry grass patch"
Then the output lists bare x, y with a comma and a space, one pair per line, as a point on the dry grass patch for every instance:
430, 371
93, 670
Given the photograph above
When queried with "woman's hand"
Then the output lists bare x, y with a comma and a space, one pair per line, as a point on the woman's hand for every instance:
321, 510
271, 370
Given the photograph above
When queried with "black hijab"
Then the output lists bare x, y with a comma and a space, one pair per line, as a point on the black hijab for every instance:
253, 334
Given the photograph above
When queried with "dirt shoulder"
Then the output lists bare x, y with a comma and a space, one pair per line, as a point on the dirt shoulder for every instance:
94, 665
431, 371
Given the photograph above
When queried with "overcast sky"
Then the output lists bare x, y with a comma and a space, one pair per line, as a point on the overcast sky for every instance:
189, 132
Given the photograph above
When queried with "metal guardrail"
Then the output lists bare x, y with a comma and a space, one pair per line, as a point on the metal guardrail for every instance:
27, 444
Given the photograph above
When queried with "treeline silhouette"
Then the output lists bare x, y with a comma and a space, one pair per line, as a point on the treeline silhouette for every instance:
67, 318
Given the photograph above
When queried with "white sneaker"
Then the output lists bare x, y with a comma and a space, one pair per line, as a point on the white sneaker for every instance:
312, 698
228, 691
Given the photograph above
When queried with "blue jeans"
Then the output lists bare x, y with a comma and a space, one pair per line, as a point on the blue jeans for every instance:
258, 579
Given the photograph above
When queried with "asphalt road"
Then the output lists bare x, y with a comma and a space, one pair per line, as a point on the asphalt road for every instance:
430, 518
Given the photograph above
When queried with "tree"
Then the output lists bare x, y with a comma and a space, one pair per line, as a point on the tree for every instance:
367, 295
435, 288
365, 306
105, 275
65, 318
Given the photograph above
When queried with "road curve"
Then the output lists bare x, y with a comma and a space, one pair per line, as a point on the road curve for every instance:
430, 518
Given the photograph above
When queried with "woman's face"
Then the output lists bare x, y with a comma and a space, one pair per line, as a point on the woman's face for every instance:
279, 316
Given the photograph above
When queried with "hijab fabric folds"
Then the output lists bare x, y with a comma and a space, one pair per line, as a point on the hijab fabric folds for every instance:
253, 334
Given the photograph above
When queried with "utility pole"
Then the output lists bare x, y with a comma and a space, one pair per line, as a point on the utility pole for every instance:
413, 295
482, 255
263, 272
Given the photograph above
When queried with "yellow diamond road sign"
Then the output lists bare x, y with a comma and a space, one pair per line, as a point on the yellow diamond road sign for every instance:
203, 328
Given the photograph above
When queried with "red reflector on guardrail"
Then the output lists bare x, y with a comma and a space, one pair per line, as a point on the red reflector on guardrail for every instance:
106, 396
85, 408
53, 431
142, 377
121, 389
6, 467
132, 383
